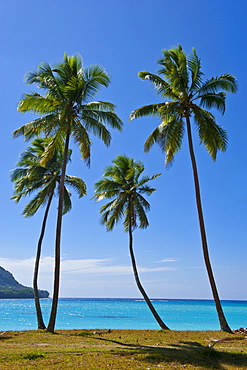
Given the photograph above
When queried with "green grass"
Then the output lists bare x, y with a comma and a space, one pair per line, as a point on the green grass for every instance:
120, 349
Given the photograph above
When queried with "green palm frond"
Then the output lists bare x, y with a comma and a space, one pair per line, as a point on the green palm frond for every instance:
40, 199
141, 215
141, 200
17, 173
96, 120
194, 66
212, 135
146, 189
67, 204
100, 105
146, 110
77, 184
82, 139
225, 82
161, 86
93, 125
95, 78
174, 63
106, 188
117, 173
53, 152
152, 139
73, 89
47, 125
216, 100
36, 103
170, 110
168, 136
112, 212
44, 78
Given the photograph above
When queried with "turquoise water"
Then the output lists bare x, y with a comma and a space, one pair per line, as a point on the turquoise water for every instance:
81, 313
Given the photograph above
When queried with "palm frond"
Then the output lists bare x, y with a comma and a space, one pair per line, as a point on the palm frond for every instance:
67, 204
146, 110
103, 113
46, 125
93, 124
152, 139
194, 66
36, 103
213, 100
100, 105
77, 184
95, 78
81, 138
161, 86
106, 188
141, 200
225, 82
175, 70
212, 135
141, 215
40, 199
168, 136
112, 212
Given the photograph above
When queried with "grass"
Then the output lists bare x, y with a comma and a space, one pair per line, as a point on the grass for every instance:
120, 349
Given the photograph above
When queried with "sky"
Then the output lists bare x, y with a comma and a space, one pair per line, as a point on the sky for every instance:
126, 37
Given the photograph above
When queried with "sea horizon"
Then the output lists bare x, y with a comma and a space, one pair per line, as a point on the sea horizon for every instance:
151, 299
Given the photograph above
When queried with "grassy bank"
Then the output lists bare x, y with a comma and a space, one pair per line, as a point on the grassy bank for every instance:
120, 349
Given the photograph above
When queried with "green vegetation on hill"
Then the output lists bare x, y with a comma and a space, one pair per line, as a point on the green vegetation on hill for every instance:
10, 288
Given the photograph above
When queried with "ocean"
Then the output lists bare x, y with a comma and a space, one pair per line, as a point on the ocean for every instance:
93, 313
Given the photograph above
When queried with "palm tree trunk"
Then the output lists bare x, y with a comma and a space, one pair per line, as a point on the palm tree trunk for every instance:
53, 314
40, 320
223, 323
140, 287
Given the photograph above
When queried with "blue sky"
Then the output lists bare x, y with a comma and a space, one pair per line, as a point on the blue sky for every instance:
127, 37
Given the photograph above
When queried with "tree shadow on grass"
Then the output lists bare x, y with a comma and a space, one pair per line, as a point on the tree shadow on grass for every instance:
184, 353
5, 337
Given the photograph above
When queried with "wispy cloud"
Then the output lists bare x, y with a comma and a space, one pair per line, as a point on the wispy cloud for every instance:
102, 267
80, 277
168, 260
107, 266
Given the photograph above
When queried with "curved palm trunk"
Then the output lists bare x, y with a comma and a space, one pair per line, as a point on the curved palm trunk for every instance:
223, 323
140, 287
53, 314
40, 320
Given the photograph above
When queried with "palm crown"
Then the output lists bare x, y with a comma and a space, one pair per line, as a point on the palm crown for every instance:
180, 80
31, 176
69, 88
122, 182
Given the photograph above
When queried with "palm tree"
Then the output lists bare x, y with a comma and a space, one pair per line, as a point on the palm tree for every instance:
122, 183
66, 111
180, 80
31, 177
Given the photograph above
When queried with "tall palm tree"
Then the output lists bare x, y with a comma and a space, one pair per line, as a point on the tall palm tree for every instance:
66, 111
122, 182
180, 80
31, 177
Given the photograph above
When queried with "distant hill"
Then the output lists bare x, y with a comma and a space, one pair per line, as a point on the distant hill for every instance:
10, 288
